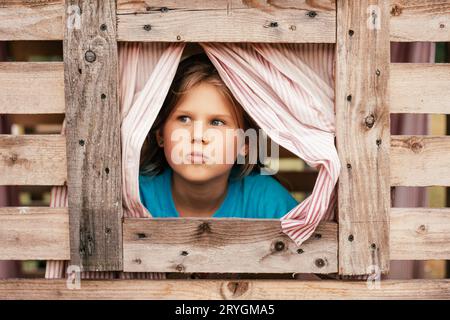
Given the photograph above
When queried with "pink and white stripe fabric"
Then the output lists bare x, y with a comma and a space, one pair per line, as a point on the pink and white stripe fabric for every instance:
288, 89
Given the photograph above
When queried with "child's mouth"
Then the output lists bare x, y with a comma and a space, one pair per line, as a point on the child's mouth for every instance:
197, 157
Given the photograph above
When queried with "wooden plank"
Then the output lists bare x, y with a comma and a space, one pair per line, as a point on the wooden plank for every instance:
362, 135
416, 234
224, 245
420, 160
28, 233
32, 160
31, 20
31, 87
278, 21
420, 233
420, 88
420, 20
93, 137
45, 289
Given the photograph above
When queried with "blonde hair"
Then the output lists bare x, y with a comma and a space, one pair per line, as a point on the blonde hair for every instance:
192, 71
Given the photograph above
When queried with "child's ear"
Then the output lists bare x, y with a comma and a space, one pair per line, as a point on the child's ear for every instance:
159, 138
244, 150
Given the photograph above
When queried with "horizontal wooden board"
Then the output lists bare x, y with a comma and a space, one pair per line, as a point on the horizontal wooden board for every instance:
32, 160
420, 160
31, 87
28, 233
46, 289
420, 233
224, 245
31, 20
227, 21
409, 21
420, 87
420, 20
416, 234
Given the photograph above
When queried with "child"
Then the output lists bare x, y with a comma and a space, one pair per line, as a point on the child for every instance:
182, 179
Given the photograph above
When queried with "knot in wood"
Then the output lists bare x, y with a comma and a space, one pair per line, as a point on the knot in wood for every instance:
370, 120
317, 236
204, 228
421, 229
416, 146
237, 289
396, 10
179, 268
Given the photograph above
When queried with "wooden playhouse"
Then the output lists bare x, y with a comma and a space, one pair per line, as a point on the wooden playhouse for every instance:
368, 88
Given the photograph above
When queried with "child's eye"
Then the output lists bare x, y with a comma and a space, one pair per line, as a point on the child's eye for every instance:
183, 119
217, 122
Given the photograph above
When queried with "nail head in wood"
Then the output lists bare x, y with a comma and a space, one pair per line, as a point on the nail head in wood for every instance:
351, 32
147, 27
320, 263
312, 14
349, 97
90, 56
103, 27
300, 251
351, 238
279, 246
81, 142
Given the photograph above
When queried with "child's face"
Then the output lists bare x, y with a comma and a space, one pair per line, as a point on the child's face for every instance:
204, 122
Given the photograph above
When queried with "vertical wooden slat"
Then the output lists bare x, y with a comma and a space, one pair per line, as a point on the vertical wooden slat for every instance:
93, 136
362, 115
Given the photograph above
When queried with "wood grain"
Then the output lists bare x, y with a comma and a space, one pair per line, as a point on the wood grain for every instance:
278, 21
28, 233
420, 88
224, 289
420, 160
362, 136
420, 20
32, 160
224, 245
93, 138
31, 87
31, 20
420, 233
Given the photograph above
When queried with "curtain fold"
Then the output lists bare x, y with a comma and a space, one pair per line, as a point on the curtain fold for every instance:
287, 89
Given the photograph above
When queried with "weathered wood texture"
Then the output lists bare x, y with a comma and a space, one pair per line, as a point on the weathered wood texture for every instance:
225, 245
227, 21
28, 233
32, 160
420, 160
420, 233
93, 137
416, 234
411, 20
31, 20
420, 87
31, 87
420, 20
220, 289
362, 135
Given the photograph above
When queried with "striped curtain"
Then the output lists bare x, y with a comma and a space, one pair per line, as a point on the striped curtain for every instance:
288, 89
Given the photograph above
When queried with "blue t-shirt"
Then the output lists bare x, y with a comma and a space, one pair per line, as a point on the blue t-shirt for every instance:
254, 196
